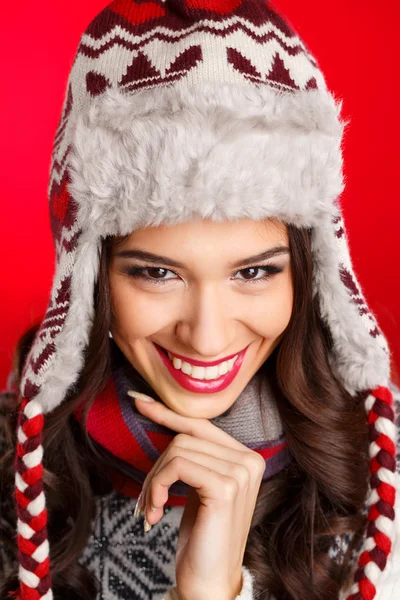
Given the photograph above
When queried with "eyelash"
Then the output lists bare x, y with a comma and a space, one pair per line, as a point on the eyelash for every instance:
138, 272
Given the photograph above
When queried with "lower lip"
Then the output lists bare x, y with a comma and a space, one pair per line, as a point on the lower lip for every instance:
202, 385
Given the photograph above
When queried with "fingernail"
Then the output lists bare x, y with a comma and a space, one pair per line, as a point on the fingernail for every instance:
153, 508
140, 396
146, 525
137, 512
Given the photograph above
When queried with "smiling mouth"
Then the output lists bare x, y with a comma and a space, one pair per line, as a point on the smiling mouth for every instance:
200, 379
197, 369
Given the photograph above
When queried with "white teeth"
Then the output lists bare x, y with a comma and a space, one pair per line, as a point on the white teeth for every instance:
186, 368
202, 372
209, 372
176, 362
223, 368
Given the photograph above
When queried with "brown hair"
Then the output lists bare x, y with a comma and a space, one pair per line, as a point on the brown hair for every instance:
321, 494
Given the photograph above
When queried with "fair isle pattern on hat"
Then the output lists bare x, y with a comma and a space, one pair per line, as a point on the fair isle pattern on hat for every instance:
223, 104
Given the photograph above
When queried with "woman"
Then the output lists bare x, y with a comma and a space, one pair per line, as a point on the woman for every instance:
202, 262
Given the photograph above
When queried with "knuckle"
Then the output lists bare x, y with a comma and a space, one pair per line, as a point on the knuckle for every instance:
177, 461
255, 463
261, 464
229, 489
173, 452
180, 440
241, 474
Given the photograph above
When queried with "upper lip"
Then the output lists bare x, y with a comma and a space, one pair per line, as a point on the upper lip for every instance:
200, 363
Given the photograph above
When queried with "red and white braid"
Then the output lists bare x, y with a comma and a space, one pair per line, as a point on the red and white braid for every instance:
382, 450
33, 545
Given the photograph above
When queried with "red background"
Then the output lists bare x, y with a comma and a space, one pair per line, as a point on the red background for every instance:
355, 44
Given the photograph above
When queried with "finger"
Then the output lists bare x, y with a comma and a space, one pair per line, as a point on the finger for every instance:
183, 445
250, 458
238, 471
216, 489
251, 465
200, 428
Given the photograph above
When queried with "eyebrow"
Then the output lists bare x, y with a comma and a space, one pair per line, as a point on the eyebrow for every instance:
164, 260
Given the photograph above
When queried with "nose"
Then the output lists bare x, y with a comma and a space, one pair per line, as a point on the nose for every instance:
208, 325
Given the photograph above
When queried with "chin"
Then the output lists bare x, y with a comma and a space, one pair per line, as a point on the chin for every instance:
206, 406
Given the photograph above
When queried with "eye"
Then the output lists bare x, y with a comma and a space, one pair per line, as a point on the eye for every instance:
140, 272
269, 271
156, 275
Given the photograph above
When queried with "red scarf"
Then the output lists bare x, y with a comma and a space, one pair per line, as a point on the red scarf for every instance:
136, 442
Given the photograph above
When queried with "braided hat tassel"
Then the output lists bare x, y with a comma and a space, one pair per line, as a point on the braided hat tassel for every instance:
33, 545
381, 501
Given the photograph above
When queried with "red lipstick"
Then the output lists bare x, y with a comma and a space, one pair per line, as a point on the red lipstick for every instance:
203, 386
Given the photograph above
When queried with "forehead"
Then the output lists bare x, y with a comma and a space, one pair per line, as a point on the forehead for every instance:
232, 236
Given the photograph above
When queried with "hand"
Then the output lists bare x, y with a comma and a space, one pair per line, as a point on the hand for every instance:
224, 478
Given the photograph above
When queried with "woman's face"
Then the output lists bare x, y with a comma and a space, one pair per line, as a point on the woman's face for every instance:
203, 296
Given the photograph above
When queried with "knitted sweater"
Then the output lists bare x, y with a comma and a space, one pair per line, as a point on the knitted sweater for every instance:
133, 565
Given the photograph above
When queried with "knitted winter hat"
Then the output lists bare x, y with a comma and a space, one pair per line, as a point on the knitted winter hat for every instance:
226, 108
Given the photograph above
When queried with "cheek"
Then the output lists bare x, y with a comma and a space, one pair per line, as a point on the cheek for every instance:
271, 312
136, 314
